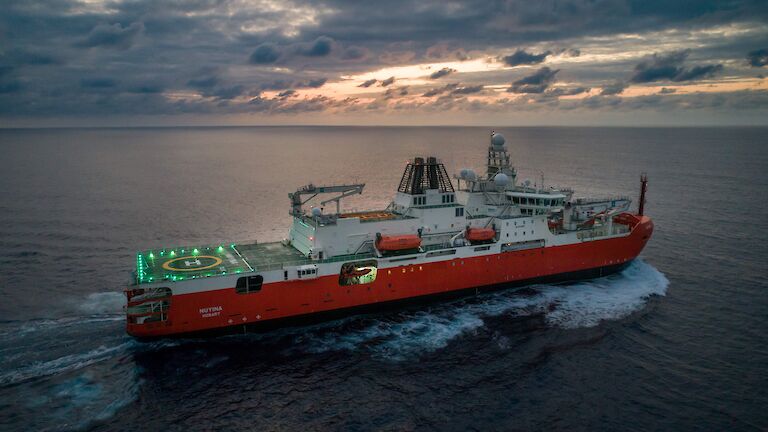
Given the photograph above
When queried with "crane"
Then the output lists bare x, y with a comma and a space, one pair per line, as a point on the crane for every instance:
310, 189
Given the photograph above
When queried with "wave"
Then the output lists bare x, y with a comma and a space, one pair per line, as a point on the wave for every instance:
103, 303
582, 304
63, 364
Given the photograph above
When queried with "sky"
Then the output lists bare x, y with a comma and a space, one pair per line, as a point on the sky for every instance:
394, 62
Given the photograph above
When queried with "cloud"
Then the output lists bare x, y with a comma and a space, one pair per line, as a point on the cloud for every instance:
321, 47
521, 57
758, 58
566, 91
265, 53
354, 53
98, 83
665, 90
441, 73
317, 82
368, 83
440, 90
467, 90
154, 51
614, 88
393, 92
387, 81
11, 87
203, 82
112, 36
669, 67
227, 93
535, 83
286, 94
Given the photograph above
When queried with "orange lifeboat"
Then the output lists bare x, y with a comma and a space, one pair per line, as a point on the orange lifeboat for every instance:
397, 242
480, 234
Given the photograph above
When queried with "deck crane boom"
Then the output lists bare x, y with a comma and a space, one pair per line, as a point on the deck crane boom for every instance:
310, 189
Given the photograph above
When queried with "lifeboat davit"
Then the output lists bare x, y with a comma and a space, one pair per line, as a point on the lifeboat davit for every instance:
397, 242
480, 234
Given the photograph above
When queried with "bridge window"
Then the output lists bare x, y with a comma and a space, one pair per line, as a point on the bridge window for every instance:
249, 284
460, 212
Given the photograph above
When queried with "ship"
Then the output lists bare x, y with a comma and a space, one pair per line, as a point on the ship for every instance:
433, 241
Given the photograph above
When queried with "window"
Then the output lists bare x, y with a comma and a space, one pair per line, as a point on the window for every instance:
249, 284
460, 212
358, 273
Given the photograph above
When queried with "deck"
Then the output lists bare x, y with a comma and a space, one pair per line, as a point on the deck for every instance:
191, 262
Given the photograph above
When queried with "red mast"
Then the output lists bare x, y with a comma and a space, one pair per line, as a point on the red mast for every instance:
643, 187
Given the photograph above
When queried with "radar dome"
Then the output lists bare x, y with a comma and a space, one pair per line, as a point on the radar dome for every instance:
497, 140
316, 212
463, 173
500, 180
470, 175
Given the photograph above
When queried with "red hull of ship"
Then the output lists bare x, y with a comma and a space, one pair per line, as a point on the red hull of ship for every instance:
293, 299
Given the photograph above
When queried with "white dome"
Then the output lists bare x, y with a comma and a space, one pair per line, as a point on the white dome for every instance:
500, 180
463, 173
497, 140
316, 212
470, 175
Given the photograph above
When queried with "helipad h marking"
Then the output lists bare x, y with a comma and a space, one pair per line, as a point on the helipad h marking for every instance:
192, 260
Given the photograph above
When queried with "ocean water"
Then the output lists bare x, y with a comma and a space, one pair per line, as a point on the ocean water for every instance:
677, 341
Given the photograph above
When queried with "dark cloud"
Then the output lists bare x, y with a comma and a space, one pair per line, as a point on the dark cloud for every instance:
265, 53
283, 84
758, 58
566, 91
316, 83
147, 89
353, 53
368, 83
665, 90
286, 94
112, 35
387, 81
441, 90
154, 49
441, 73
521, 57
467, 90
394, 92
535, 83
98, 83
321, 47
669, 67
203, 82
10, 87
614, 88
226, 93
32, 58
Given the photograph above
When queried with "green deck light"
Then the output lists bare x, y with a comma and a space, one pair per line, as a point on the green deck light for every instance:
173, 253
220, 249
151, 255
195, 251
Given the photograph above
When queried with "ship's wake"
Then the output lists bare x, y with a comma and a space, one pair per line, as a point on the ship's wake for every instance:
569, 306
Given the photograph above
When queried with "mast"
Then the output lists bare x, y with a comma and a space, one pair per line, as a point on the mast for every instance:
643, 187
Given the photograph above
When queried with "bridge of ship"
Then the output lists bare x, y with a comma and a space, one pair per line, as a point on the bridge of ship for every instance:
192, 262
